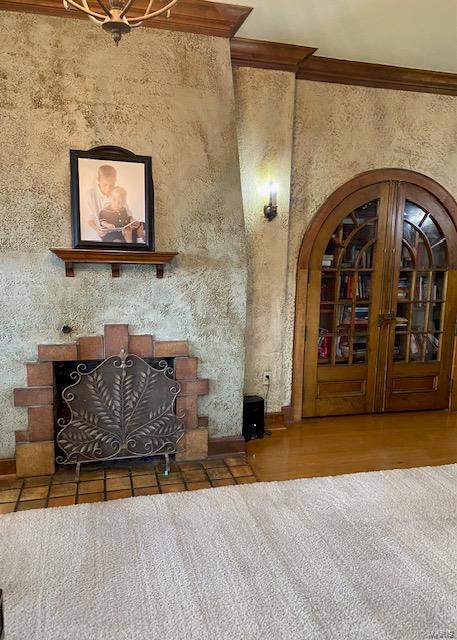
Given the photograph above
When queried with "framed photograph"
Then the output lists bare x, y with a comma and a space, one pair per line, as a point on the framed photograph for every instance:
112, 199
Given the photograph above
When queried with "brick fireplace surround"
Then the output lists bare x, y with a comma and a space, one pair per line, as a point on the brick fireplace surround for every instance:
35, 455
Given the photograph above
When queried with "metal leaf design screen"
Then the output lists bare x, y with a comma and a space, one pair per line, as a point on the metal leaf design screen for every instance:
124, 408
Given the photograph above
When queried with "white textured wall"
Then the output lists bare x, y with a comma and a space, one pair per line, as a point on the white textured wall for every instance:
169, 95
341, 131
265, 112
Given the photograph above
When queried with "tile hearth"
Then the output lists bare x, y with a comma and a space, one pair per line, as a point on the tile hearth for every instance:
99, 484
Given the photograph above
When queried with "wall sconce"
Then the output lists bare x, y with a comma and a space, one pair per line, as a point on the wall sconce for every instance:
270, 210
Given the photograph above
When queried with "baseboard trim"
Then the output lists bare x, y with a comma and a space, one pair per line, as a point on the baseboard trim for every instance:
287, 414
228, 446
274, 420
278, 419
7, 467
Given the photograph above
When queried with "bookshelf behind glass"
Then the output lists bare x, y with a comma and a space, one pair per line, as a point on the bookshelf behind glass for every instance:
346, 287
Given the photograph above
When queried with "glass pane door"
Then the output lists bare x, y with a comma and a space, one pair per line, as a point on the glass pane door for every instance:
422, 286
346, 287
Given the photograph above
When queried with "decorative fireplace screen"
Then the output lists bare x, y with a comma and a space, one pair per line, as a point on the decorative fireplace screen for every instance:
124, 408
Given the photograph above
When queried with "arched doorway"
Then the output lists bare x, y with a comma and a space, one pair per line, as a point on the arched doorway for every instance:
376, 298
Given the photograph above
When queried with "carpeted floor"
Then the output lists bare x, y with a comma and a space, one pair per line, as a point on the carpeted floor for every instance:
361, 557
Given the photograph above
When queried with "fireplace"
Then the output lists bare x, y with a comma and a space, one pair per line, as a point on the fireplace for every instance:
116, 409
172, 384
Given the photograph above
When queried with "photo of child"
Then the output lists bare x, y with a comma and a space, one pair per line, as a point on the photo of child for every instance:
112, 201
120, 226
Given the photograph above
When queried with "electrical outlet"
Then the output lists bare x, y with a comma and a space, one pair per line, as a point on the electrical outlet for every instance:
267, 377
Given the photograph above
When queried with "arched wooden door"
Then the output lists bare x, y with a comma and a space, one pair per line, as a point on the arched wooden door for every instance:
381, 300
421, 303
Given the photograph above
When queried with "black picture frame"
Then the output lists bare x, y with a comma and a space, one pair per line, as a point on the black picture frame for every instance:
127, 232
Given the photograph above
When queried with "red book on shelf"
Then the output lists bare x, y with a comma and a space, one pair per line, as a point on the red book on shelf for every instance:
324, 348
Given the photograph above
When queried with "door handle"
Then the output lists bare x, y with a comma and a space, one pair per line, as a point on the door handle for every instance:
385, 318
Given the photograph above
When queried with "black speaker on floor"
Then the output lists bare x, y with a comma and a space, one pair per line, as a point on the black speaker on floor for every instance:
253, 417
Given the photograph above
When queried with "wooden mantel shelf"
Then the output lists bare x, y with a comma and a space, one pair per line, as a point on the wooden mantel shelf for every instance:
112, 257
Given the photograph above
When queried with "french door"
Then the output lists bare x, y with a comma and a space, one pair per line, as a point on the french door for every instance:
381, 304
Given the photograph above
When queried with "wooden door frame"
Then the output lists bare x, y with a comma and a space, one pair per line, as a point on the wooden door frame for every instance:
301, 292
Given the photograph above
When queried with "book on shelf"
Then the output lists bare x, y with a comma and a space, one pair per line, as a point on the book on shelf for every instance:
401, 323
363, 286
342, 347
365, 260
361, 314
361, 283
422, 287
345, 317
346, 287
356, 353
323, 344
327, 260
403, 289
359, 347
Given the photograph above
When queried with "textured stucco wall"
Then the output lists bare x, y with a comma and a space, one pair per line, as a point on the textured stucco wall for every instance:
265, 112
341, 131
169, 95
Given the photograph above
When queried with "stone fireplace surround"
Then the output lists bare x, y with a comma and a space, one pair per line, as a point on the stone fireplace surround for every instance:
35, 450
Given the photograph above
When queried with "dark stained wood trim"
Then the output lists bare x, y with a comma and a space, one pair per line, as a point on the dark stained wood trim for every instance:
113, 257
274, 421
268, 55
377, 75
7, 467
274, 418
279, 419
229, 446
193, 16
287, 414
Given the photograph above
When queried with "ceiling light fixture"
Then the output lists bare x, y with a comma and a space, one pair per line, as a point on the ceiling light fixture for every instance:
114, 18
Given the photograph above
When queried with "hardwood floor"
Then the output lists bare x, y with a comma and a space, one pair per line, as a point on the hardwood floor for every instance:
349, 444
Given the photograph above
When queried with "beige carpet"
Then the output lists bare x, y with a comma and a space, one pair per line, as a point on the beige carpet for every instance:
364, 556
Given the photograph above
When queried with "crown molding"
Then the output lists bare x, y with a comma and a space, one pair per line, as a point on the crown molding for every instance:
193, 16
224, 20
268, 55
377, 75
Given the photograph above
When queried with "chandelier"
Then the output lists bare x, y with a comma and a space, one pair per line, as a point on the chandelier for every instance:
114, 18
